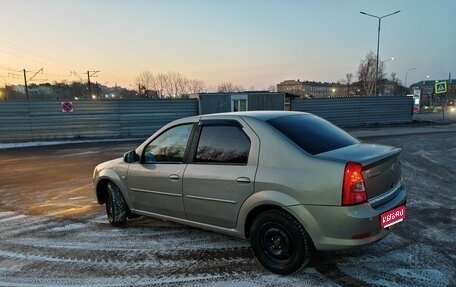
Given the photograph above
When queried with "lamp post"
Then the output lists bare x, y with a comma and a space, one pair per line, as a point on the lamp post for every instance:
411, 69
378, 40
390, 59
382, 83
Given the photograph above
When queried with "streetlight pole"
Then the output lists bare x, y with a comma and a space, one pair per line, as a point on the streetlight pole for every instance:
411, 69
383, 67
390, 59
378, 40
383, 62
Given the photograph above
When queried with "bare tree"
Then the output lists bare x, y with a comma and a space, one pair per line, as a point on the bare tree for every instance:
145, 81
196, 86
366, 73
175, 84
228, 87
161, 82
395, 81
272, 88
170, 84
347, 83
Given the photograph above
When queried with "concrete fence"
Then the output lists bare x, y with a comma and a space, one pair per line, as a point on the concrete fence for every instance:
45, 119
359, 111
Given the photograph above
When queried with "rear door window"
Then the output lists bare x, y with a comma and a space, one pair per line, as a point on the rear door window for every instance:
223, 145
311, 133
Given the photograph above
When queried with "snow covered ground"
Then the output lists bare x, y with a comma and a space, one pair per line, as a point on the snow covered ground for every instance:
52, 232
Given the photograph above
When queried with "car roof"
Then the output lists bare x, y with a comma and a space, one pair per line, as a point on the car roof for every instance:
261, 115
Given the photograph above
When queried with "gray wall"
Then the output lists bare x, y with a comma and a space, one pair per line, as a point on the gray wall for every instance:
44, 119
266, 101
214, 103
359, 111
257, 101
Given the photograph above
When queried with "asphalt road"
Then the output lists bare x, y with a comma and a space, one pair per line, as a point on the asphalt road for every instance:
53, 233
436, 117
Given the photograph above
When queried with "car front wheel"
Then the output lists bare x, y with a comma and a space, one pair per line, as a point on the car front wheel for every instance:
280, 242
116, 207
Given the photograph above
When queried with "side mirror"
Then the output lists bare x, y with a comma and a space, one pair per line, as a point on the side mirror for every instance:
131, 157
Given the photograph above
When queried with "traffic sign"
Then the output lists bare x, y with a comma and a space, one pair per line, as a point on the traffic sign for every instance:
440, 87
67, 107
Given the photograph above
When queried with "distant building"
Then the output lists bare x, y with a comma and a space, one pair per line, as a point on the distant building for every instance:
308, 89
428, 96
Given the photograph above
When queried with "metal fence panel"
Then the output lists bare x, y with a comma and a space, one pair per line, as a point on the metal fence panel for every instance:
359, 111
215, 103
44, 119
138, 118
266, 101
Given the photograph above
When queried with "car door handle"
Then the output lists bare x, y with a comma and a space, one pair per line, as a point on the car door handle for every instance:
174, 177
243, 180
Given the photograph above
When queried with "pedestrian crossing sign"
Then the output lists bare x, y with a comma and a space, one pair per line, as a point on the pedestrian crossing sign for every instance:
440, 87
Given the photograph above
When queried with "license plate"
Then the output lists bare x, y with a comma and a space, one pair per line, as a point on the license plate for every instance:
393, 216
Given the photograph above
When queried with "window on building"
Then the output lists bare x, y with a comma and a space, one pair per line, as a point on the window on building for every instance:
239, 103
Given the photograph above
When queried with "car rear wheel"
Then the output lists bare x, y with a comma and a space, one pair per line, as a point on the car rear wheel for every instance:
116, 207
280, 242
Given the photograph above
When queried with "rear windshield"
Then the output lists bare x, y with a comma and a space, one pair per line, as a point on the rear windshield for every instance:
313, 134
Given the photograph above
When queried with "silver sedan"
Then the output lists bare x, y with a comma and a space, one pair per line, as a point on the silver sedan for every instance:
290, 182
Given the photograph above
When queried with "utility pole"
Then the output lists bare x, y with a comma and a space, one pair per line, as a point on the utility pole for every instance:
25, 82
90, 88
446, 95
91, 74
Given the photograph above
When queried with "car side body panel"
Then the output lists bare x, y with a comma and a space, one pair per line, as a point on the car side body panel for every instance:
278, 174
213, 192
157, 188
115, 171
284, 167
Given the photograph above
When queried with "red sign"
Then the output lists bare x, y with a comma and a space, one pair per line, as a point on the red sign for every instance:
67, 107
393, 216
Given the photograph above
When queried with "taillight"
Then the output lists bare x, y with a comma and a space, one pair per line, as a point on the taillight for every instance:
353, 190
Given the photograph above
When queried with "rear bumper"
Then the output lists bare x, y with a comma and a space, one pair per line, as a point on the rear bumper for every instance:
337, 227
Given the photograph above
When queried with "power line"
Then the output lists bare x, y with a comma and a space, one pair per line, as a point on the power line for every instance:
31, 52
40, 70
14, 76
31, 55
31, 59
9, 69
57, 75
74, 73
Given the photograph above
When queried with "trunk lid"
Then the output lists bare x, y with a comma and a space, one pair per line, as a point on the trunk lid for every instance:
381, 169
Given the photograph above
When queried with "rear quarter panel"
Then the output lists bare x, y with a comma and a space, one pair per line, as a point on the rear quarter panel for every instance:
284, 167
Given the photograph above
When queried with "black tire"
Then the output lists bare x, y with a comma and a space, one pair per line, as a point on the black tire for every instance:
280, 242
116, 207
